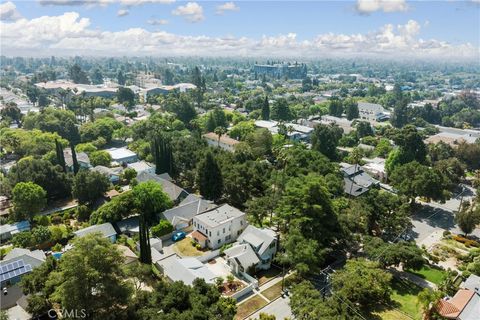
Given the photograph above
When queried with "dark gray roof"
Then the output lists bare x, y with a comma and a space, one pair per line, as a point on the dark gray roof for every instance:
173, 191
260, 239
186, 211
129, 224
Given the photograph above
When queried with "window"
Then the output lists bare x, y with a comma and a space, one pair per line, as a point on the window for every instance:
219, 240
210, 234
227, 238
238, 232
241, 222
272, 244
223, 230
218, 232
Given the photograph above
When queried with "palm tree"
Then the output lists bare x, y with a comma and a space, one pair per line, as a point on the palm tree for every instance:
428, 298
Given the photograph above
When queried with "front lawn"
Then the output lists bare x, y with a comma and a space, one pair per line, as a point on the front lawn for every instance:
249, 306
276, 290
185, 248
266, 275
430, 273
405, 294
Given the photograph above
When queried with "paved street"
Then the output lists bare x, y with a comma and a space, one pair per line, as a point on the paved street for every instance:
430, 222
279, 308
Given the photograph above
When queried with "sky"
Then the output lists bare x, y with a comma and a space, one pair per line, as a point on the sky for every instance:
315, 29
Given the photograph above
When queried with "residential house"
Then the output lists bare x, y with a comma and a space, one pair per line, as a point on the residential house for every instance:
465, 304
218, 226
128, 255
376, 168
9, 230
17, 263
174, 192
224, 142
113, 174
82, 159
182, 215
129, 226
185, 270
452, 138
356, 180
122, 155
255, 248
106, 229
142, 166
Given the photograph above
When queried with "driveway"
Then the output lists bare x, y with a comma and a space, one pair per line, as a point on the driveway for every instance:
280, 308
10, 300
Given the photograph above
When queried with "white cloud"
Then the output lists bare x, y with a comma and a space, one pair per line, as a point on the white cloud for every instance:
128, 3
370, 6
70, 34
157, 22
192, 11
227, 6
8, 12
122, 12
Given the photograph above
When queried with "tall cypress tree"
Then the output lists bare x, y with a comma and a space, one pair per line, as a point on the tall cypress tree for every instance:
266, 109
144, 239
76, 167
209, 178
163, 155
60, 155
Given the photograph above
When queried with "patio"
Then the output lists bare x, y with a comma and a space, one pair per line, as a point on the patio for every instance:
219, 267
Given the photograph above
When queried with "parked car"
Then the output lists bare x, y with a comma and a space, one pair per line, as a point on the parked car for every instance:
179, 235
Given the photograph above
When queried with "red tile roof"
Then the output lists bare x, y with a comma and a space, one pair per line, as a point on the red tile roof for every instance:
452, 308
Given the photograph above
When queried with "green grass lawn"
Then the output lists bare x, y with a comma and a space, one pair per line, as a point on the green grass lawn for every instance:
249, 306
430, 273
405, 295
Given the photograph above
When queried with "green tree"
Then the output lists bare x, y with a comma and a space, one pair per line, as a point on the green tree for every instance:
78, 75
162, 228
128, 175
100, 158
121, 78
209, 178
266, 109
362, 283
12, 111
88, 186
335, 107
41, 234
351, 109
51, 178
84, 281
23, 239
400, 116
325, 140
126, 96
281, 111
97, 76
468, 217
28, 199
364, 129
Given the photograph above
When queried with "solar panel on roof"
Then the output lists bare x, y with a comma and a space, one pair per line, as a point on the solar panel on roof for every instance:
28, 268
10, 267
21, 263
4, 269
15, 265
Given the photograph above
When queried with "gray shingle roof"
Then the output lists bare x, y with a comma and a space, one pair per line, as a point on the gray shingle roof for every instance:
186, 211
186, 270
105, 228
173, 191
243, 254
258, 238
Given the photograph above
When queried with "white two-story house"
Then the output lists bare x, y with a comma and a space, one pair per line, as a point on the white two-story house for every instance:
254, 250
218, 226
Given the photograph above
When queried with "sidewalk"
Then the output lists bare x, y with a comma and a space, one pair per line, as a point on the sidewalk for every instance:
413, 278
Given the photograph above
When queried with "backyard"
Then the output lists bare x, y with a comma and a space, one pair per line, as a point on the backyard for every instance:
266, 275
185, 248
276, 290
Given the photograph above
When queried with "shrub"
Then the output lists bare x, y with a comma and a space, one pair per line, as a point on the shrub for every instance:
22, 239
82, 213
56, 248
56, 219
162, 228
42, 220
